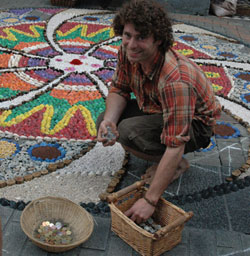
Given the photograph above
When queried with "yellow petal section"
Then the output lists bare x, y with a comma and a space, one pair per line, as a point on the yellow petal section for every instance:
47, 117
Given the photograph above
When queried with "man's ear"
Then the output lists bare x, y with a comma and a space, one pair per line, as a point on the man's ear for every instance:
159, 42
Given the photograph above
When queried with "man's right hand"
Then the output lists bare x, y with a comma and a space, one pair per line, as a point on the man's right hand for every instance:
107, 133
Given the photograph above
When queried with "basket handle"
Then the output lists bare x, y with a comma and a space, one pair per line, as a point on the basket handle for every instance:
114, 196
181, 220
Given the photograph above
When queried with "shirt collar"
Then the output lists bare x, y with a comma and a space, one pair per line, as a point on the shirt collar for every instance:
157, 63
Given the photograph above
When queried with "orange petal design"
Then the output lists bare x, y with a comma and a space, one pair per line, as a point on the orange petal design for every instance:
12, 82
23, 45
77, 39
4, 60
75, 96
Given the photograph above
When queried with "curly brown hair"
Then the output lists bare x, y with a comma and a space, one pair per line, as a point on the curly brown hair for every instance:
148, 17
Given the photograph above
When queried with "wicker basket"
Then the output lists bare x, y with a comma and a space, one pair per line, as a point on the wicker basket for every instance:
56, 208
64, 3
169, 216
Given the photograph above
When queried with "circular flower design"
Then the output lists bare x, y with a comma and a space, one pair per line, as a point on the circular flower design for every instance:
55, 81
46, 152
54, 78
209, 47
245, 76
8, 148
245, 98
228, 55
188, 38
226, 130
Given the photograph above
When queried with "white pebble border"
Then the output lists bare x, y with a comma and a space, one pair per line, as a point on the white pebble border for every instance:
235, 109
74, 187
81, 181
100, 160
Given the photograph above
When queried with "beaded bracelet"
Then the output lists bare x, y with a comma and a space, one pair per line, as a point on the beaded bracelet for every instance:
149, 201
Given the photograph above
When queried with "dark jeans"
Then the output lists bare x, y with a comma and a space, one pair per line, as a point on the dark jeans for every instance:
141, 131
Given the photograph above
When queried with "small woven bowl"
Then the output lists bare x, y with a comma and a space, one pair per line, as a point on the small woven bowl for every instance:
56, 208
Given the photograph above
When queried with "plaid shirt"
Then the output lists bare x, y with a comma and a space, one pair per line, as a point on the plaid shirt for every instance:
175, 87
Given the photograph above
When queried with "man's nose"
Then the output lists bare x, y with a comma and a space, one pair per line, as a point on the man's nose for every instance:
132, 43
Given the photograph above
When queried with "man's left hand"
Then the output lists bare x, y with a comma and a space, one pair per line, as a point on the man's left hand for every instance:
140, 211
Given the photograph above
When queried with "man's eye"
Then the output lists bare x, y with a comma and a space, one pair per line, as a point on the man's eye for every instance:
127, 35
141, 38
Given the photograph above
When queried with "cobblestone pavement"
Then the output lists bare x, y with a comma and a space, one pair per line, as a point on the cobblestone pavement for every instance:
220, 225
195, 242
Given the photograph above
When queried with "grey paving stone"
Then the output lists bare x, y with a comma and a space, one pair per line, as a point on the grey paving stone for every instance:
245, 240
179, 250
229, 251
185, 236
230, 153
242, 129
232, 142
208, 214
226, 171
136, 167
203, 153
228, 239
225, 117
239, 216
196, 179
98, 239
245, 244
128, 180
245, 142
189, 156
89, 252
118, 247
209, 158
202, 243
13, 239
73, 252
5, 215
30, 249
17, 215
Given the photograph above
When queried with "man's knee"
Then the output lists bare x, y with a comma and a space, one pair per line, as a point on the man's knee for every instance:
134, 135
124, 128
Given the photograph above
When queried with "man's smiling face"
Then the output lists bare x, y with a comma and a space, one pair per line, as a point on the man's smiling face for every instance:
139, 49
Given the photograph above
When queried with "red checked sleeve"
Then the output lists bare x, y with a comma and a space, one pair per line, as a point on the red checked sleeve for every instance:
178, 103
121, 78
